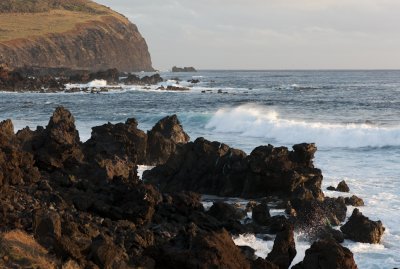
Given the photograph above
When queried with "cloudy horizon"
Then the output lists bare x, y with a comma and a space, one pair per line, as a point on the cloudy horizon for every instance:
268, 34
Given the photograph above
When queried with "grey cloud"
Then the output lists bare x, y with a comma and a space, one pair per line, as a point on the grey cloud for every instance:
268, 34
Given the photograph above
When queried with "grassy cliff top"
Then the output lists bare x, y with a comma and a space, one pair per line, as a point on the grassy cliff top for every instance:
29, 18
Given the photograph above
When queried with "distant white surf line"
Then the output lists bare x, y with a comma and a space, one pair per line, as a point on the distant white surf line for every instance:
256, 121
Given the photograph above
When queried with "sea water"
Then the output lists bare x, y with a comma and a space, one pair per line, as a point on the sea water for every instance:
352, 116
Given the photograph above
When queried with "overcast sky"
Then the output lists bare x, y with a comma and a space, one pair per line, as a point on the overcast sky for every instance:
268, 34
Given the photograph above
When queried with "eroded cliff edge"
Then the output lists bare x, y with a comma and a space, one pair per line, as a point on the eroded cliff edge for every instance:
76, 34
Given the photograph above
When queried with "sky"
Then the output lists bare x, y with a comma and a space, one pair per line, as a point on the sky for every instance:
268, 34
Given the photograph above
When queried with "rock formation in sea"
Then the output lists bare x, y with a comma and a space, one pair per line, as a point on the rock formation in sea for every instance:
76, 34
86, 207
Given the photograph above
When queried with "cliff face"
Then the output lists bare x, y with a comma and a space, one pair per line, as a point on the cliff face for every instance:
99, 40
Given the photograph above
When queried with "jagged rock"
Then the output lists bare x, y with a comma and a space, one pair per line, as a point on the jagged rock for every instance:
354, 201
342, 187
163, 139
261, 215
199, 249
284, 249
215, 168
327, 254
361, 229
314, 213
224, 212
47, 227
133, 79
263, 264
58, 145
117, 149
16, 165
106, 254
326, 233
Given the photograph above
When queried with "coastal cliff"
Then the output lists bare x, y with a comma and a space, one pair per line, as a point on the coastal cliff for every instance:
76, 34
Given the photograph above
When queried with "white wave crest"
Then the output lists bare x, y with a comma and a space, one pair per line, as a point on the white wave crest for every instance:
97, 83
255, 121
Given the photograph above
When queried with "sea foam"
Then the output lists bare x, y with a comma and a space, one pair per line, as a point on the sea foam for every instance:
256, 121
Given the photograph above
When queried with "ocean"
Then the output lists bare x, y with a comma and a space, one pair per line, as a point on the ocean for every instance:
352, 116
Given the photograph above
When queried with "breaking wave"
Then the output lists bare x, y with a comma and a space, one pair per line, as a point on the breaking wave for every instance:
256, 121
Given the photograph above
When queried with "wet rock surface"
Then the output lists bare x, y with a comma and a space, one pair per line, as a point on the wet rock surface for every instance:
361, 229
327, 254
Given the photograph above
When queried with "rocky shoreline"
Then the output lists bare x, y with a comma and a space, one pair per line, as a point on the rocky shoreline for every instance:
86, 207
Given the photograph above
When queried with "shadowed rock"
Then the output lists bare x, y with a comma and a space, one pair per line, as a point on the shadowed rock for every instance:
327, 254
215, 168
284, 249
16, 165
163, 139
361, 229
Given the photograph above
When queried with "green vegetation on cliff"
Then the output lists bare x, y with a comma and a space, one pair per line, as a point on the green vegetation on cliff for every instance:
36, 6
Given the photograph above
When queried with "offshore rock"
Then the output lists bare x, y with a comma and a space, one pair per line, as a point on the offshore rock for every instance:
354, 201
361, 229
327, 254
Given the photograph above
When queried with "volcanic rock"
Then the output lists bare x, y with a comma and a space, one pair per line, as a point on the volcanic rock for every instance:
354, 201
184, 69
342, 187
223, 212
16, 165
163, 139
47, 227
284, 249
327, 254
361, 229
260, 214
215, 168
199, 249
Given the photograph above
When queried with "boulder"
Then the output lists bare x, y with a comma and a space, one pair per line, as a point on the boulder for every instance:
163, 139
224, 212
342, 187
261, 215
47, 227
361, 229
196, 248
284, 249
314, 213
327, 254
105, 254
354, 201
263, 264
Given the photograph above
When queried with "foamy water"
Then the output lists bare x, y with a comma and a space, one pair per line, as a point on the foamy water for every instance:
352, 116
